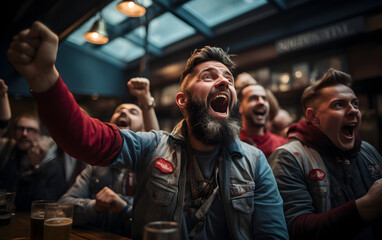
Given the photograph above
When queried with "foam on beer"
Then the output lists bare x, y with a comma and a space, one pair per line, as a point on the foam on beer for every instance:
56, 222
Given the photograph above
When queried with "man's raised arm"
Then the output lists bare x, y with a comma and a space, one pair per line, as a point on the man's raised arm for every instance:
33, 54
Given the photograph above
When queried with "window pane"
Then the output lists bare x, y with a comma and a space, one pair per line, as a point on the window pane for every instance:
163, 31
213, 12
123, 50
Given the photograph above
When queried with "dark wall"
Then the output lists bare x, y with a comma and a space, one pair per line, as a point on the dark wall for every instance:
86, 75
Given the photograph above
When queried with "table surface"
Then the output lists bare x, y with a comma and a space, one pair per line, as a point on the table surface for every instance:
19, 227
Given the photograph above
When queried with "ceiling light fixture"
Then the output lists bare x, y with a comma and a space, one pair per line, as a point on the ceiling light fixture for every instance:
98, 33
131, 8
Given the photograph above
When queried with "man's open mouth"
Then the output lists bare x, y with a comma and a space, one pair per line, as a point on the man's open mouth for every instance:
260, 112
219, 103
123, 123
348, 130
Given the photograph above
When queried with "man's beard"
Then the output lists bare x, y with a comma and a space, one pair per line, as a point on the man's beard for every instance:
255, 123
210, 130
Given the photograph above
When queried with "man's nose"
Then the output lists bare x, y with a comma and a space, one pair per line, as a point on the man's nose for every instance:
222, 83
25, 131
124, 112
353, 110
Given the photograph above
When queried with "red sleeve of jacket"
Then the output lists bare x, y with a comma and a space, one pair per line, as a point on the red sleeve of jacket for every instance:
343, 222
80, 136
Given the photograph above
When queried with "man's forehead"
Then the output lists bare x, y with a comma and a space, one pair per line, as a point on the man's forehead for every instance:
210, 65
127, 106
205, 66
337, 91
27, 121
254, 90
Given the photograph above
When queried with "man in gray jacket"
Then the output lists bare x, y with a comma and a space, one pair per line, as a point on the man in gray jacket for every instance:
329, 179
103, 196
200, 175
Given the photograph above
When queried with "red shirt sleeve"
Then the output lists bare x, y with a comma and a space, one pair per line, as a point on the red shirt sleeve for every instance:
343, 222
79, 135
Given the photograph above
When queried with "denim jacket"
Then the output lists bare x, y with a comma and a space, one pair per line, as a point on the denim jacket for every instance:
252, 203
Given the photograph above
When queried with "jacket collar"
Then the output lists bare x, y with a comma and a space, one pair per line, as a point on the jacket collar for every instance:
179, 131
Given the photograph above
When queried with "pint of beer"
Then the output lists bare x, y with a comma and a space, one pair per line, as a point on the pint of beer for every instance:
7, 200
37, 218
161, 230
58, 221
57, 228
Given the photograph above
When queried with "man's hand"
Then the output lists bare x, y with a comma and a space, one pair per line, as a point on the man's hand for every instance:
3, 87
108, 200
39, 149
33, 54
35, 154
370, 205
140, 88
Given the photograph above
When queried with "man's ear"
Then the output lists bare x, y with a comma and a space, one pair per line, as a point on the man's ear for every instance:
311, 115
181, 100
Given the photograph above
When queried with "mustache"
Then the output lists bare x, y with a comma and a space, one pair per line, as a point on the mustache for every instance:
26, 139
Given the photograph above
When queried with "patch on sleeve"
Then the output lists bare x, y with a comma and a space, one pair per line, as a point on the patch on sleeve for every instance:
316, 174
164, 166
241, 189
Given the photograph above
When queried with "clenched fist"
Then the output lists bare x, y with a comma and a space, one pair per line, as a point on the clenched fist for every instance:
108, 200
33, 54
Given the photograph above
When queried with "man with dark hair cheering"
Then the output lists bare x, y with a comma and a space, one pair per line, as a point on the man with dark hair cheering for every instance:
255, 111
329, 179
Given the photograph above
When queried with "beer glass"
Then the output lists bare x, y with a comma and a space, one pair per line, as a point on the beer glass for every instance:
161, 230
58, 221
7, 200
37, 218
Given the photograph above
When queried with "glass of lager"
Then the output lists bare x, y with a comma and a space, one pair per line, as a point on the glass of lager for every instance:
161, 230
58, 221
7, 200
37, 218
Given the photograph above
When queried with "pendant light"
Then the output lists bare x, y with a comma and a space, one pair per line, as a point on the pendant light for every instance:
131, 8
98, 33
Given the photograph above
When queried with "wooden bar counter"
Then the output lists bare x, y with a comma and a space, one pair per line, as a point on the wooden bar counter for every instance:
19, 229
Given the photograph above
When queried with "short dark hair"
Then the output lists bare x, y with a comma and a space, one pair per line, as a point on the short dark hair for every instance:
207, 54
331, 78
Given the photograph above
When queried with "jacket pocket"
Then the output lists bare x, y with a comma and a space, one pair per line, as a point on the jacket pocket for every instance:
242, 197
243, 206
159, 193
318, 188
319, 192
